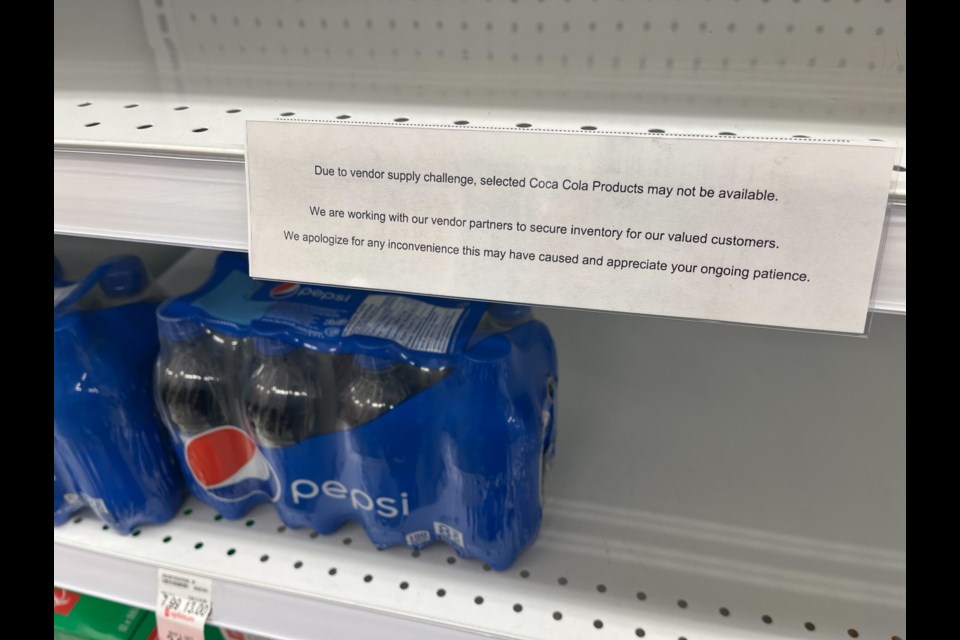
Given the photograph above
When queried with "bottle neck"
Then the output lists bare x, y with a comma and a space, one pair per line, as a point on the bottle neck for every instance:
372, 366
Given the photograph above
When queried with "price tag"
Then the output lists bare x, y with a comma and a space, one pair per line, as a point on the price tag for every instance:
183, 605
771, 232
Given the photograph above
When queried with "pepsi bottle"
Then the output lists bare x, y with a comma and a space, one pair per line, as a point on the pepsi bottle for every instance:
290, 395
193, 377
483, 477
422, 377
200, 403
500, 318
126, 281
373, 387
64, 497
110, 449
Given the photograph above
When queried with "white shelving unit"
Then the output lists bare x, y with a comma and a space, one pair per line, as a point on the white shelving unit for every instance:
150, 102
748, 483
790, 503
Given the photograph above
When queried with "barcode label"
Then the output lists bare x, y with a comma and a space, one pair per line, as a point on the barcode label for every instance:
448, 533
418, 538
408, 322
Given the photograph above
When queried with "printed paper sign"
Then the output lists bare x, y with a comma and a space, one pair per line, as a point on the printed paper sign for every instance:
755, 231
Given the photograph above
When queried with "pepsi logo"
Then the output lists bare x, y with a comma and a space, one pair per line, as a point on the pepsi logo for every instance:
291, 289
228, 466
284, 291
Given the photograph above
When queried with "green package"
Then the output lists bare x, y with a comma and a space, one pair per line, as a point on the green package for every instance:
78, 616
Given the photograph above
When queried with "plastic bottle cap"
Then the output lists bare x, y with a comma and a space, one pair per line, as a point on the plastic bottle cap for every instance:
490, 349
272, 347
125, 276
178, 331
373, 363
57, 271
509, 312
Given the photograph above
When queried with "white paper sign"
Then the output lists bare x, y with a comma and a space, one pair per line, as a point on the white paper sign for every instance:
763, 232
183, 605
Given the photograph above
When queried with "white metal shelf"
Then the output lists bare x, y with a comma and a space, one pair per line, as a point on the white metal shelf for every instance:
806, 68
201, 202
760, 473
767, 494
151, 98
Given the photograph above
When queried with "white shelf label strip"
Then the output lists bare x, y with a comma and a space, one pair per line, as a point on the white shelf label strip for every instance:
612, 569
759, 232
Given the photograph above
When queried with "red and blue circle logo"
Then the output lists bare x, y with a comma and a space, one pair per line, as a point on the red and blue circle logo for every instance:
284, 291
227, 465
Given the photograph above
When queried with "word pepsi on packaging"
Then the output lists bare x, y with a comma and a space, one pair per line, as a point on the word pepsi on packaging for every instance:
424, 419
110, 451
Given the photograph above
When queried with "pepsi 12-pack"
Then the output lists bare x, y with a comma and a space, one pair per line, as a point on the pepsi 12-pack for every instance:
110, 451
424, 419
